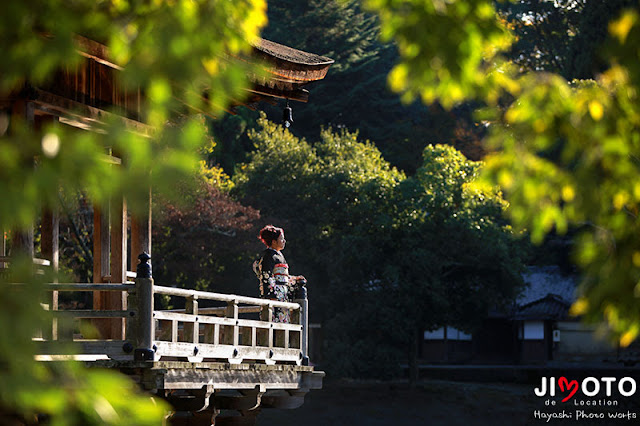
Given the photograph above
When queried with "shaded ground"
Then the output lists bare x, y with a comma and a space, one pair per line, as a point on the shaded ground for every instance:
432, 403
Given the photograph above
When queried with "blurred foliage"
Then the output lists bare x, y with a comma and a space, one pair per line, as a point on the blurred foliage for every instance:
359, 229
566, 154
173, 51
576, 163
60, 393
449, 50
177, 53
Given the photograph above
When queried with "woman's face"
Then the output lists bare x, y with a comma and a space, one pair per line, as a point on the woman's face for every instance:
279, 243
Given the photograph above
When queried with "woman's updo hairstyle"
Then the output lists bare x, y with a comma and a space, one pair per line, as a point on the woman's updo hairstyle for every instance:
268, 234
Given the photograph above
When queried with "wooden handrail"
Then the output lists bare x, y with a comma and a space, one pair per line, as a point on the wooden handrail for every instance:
222, 310
90, 287
84, 313
204, 295
36, 260
186, 318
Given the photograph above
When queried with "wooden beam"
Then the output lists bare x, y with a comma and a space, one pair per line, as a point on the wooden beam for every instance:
176, 375
300, 95
84, 313
89, 287
96, 51
88, 116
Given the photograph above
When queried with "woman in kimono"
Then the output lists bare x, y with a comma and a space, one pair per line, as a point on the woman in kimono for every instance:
273, 272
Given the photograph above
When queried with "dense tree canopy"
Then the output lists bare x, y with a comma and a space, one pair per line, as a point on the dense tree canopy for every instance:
377, 246
564, 37
591, 128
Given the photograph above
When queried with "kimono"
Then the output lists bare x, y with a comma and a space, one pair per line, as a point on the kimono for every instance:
274, 281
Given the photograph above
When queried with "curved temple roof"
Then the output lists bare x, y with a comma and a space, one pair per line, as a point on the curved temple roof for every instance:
290, 54
289, 70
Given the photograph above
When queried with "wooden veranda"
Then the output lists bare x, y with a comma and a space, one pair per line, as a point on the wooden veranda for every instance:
220, 359
211, 363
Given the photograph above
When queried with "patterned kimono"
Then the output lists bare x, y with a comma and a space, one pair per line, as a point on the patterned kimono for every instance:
275, 284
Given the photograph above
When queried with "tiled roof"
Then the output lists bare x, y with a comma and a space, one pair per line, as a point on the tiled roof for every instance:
290, 54
541, 281
551, 307
548, 294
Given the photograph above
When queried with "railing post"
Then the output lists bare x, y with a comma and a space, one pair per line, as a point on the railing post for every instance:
303, 301
270, 319
145, 330
192, 329
232, 312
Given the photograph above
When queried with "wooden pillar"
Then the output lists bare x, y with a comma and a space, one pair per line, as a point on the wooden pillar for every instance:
22, 240
101, 244
191, 329
118, 300
141, 234
50, 233
50, 251
232, 312
4, 127
110, 265
3, 247
101, 249
22, 243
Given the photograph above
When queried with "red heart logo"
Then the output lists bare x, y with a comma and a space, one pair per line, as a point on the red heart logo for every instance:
567, 385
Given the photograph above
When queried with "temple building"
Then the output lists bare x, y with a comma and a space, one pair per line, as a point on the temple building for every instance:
206, 360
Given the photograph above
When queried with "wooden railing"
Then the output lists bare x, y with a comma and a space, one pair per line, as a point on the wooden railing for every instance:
225, 335
216, 333
5, 260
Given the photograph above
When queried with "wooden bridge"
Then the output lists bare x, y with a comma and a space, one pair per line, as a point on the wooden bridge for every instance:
220, 360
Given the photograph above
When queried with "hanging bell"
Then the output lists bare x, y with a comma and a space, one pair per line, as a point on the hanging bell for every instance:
287, 115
